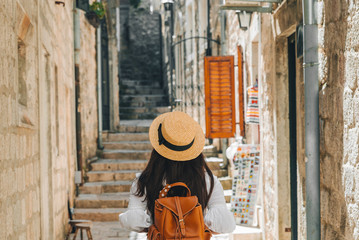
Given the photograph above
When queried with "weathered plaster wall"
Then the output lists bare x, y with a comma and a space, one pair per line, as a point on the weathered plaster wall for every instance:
268, 144
88, 89
339, 118
19, 159
189, 58
272, 65
112, 8
37, 127
36, 91
338, 97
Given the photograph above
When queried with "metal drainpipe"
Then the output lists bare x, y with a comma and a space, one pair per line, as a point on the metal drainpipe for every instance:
77, 45
209, 34
99, 88
312, 146
171, 59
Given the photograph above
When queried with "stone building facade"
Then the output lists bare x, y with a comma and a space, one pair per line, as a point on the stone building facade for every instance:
140, 43
37, 146
271, 55
38, 115
187, 90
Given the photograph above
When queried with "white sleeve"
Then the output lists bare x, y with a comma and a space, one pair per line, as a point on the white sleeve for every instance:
136, 217
218, 218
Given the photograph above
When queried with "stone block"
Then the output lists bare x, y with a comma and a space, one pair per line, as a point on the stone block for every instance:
10, 223
356, 184
128, 137
99, 215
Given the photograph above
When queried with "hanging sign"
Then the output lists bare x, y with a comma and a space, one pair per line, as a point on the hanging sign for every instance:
245, 183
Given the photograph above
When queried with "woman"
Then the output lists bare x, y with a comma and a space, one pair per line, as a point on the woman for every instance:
178, 143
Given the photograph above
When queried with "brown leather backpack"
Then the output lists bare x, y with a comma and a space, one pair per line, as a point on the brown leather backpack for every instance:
178, 217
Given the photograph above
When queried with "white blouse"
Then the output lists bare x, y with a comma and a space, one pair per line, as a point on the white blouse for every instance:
216, 216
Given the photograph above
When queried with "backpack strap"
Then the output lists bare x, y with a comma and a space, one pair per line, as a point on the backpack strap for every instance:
180, 217
164, 191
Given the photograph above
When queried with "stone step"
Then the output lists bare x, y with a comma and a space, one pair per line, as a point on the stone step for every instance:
144, 98
214, 163
104, 200
135, 126
114, 165
98, 214
226, 182
130, 90
126, 154
115, 200
125, 186
105, 176
134, 116
220, 172
145, 110
132, 83
116, 137
246, 233
131, 145
227, 195
106, 187
123, 164
210, 151
129, 103
133, 129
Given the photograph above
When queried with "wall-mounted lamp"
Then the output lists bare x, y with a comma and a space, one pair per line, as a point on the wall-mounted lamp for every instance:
167, 4
244, 19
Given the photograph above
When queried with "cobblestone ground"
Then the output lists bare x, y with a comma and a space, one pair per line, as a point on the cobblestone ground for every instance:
112, 231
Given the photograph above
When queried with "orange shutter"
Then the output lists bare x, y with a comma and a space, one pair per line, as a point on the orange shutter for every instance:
219, 88
241, 93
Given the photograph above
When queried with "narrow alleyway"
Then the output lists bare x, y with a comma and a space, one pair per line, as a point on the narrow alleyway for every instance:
105, 194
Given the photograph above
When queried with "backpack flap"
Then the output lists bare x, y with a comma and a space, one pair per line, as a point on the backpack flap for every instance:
187, 204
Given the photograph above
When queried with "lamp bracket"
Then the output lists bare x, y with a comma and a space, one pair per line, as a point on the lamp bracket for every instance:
196, 37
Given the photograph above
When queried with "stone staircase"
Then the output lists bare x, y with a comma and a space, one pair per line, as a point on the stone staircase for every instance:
105, 194
142, 99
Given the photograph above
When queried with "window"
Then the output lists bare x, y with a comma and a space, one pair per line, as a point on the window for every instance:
219, 94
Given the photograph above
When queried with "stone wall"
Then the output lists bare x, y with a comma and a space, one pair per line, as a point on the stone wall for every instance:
339, 118
269, 34
140, 51
339, 101
19, 159
25, 67
189, 55
113, 15
37, 120
88, 89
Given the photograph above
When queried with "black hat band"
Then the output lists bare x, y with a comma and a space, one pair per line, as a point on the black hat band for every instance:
162, 140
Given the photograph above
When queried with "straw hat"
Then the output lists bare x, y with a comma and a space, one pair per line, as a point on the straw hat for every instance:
177, 136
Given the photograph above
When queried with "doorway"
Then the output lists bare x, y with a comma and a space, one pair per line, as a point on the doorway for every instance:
293, 134
105, 78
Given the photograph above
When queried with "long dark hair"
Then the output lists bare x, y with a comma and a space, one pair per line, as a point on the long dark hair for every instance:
160, 169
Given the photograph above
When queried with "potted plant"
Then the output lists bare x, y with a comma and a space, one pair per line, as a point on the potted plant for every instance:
96, 14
